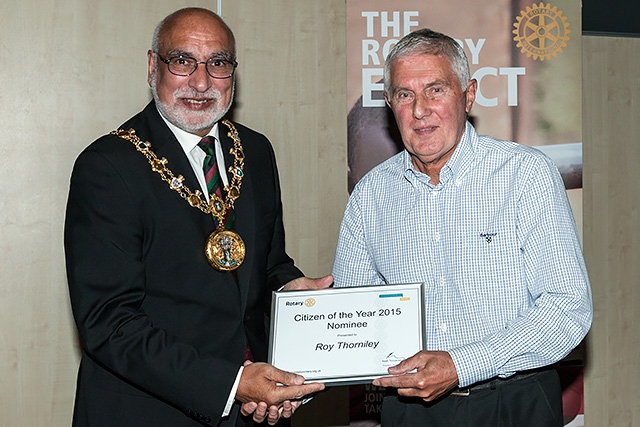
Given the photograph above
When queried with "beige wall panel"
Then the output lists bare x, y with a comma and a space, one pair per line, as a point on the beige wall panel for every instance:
71, 71
611, 110
291, 86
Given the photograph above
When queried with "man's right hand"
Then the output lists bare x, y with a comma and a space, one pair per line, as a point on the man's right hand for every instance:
436, 375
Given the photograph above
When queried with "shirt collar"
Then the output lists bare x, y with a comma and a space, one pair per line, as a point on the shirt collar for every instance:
455, 167
463, 156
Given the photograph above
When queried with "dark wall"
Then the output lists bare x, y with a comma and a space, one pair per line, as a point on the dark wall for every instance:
611, 17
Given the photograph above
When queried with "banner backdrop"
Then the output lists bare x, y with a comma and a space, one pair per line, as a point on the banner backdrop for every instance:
526, 57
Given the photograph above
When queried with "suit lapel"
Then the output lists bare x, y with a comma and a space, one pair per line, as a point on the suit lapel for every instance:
169, 147
164, 144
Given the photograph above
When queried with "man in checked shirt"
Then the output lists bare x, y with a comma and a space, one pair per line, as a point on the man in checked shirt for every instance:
486, 226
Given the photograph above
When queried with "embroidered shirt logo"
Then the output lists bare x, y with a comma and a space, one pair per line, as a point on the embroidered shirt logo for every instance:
488, 236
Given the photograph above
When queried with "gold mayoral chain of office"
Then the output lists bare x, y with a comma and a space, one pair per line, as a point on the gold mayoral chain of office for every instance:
224, 249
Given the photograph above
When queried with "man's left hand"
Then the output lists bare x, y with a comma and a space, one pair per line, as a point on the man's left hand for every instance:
261, 411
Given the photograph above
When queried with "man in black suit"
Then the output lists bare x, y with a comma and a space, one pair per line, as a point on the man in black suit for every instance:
166, 326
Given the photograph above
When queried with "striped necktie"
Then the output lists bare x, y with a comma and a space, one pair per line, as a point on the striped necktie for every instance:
214, 186
212, 174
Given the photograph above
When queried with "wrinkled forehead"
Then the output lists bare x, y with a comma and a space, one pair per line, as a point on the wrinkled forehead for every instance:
424, 66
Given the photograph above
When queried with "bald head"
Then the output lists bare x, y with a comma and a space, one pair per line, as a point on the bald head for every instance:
189, 19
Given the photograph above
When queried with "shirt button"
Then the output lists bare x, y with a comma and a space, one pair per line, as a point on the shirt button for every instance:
458, 182
443, 327
437, 237
442, 280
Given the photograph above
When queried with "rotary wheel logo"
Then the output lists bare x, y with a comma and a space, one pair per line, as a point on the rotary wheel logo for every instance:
541, 31
309, 302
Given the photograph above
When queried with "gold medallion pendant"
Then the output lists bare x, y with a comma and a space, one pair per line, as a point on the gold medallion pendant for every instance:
225, 249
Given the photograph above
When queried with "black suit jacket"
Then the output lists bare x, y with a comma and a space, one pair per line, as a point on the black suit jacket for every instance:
163, 333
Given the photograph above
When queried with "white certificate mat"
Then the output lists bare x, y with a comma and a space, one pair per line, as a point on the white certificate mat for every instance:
346, 335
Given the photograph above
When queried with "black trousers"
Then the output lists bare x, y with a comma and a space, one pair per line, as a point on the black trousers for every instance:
525, 400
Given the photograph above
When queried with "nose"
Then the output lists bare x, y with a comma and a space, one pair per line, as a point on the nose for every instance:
421, 107
200, 79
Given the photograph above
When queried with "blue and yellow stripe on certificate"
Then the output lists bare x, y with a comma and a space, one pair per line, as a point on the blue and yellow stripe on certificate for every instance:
400, 296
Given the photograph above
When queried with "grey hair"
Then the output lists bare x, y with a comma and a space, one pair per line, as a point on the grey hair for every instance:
429, 42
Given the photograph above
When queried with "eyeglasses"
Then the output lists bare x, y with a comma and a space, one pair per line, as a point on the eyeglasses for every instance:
185, 66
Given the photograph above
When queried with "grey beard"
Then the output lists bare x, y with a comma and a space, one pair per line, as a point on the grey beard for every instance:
206, 119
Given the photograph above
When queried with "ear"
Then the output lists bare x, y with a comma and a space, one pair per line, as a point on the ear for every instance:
386, 99
471, 94
150, 65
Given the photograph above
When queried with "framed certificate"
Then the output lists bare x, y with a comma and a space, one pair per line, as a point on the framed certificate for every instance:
346, 335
